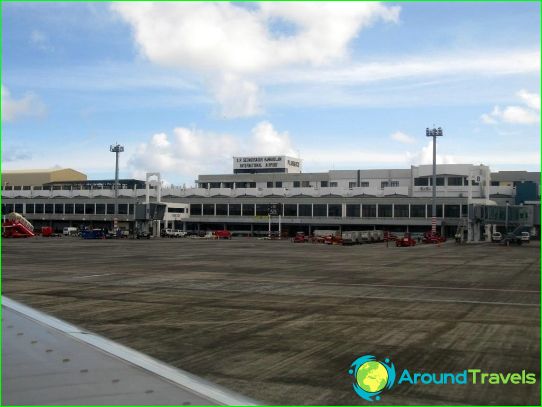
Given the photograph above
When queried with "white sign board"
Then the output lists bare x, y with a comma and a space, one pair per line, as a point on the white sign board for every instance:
267, 164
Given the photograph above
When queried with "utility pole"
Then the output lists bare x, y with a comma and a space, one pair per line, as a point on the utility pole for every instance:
435, 132
117, 149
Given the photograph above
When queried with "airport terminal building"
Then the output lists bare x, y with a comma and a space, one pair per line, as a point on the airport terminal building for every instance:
392, 199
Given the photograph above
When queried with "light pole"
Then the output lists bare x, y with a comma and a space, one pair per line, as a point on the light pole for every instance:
117, 149
434, 133
506, 218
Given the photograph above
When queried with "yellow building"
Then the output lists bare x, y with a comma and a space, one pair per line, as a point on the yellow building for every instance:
40, 177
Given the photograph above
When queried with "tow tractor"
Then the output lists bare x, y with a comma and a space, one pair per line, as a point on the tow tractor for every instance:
429, 237
300, 237
405, 241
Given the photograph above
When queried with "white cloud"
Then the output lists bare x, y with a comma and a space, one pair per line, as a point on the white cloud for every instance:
425, 156
527, 114
487, 63
190, 152
267, 141
531, 99
10, 154
40, 41
402, 138
28, 105
236, 96
227, 40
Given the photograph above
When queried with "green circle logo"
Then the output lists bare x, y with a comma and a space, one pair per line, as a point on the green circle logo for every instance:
372, 376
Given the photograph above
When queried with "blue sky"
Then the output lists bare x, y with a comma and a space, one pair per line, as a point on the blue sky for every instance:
186, 86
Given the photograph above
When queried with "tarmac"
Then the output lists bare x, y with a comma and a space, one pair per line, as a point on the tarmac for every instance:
281, 322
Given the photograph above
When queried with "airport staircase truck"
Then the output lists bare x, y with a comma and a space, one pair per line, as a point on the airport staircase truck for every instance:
16, 225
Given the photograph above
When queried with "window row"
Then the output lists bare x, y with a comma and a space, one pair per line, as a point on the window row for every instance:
295, 184
451, 181
68, 209
330, 210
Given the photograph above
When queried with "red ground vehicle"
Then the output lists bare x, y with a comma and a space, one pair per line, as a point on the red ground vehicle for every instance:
333, 239
16, 225
300, 237
222, 234
47, 231
429, 237
388, 236
405, 241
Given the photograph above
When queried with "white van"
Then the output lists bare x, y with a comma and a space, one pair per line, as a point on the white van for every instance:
174, 233
69, 231
496, 237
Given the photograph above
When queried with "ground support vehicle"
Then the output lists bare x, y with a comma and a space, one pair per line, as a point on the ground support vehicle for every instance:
351, 237
405, 241
429, 237
16, 225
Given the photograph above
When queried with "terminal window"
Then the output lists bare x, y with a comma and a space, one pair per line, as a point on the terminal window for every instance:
352, 210
39, 208
19, 208
89, 209
305, 210
417, 211
110, 209
384, 211
364, 184
319, 210
368, 211
248, 210
400, 211
278, 184
123, 209
297, 184
452, 211
333, 184
221, 209
195, 209
59, 208
323, 184
235, 209
440, 181
262, 209
335, 210
455, 181
305, 184
175, 210
29, 208
100, 209
290, 210
421, 182
68, 208
208, 209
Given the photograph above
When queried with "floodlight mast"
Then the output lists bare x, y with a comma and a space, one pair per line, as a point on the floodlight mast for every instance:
117, 149
434, 132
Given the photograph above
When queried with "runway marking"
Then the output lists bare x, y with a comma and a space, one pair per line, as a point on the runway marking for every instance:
95, 275
519, 304
376, 285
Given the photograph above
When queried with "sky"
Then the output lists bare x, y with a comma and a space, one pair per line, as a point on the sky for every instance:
184, 87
